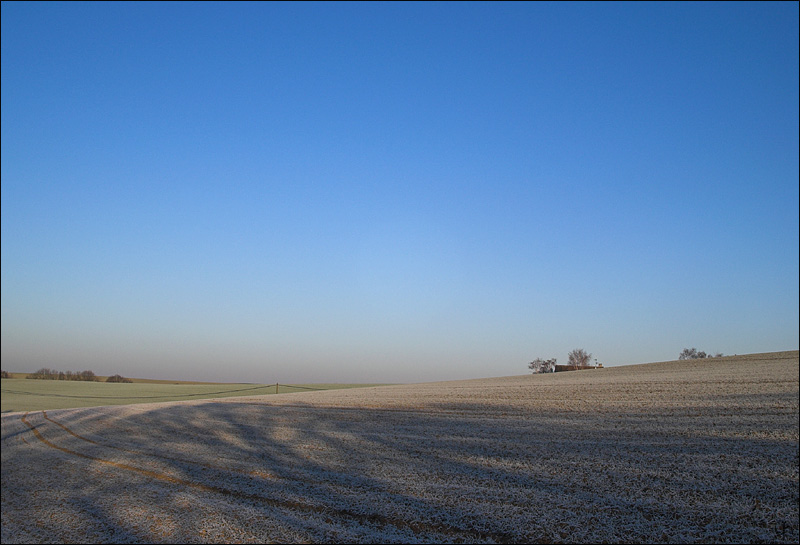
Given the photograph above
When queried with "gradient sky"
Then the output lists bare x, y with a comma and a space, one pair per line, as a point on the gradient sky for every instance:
404, 192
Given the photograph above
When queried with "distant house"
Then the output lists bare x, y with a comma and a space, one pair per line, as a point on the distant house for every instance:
560, 368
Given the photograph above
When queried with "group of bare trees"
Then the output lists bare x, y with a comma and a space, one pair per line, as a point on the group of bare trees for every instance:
693, 354
577, 359
49, 374
118, 378
542, 366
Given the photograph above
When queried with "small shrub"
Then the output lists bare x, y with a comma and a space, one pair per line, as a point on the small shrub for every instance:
118, 378
693, 354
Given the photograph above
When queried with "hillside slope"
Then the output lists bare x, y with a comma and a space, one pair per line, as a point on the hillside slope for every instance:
703, 450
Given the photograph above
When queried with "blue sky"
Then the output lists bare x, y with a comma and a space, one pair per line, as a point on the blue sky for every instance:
380, 192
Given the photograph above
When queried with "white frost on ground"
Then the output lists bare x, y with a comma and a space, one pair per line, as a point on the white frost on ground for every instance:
680, 452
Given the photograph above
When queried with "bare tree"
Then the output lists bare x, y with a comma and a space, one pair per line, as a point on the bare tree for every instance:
542, 366
578, 359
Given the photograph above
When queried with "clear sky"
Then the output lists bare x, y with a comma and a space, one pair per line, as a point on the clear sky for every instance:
379, 192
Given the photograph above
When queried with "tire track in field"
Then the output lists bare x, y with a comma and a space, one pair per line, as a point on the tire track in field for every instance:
362, 518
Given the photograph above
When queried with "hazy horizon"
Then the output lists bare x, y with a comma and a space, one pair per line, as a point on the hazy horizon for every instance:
392, 192
710, 359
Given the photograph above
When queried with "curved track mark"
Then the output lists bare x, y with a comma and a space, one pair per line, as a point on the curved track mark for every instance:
66, 429
375, 519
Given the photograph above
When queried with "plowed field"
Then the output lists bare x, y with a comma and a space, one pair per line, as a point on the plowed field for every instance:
689, 451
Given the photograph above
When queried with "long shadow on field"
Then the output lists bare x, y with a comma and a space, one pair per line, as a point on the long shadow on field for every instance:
241, 471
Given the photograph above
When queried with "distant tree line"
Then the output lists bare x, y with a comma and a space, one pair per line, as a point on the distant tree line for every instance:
5, 374
693, 354
49, 374
88, 376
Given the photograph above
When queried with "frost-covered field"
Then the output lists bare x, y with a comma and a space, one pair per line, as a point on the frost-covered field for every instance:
698, 451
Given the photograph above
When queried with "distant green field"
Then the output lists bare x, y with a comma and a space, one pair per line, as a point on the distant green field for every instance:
20, 394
